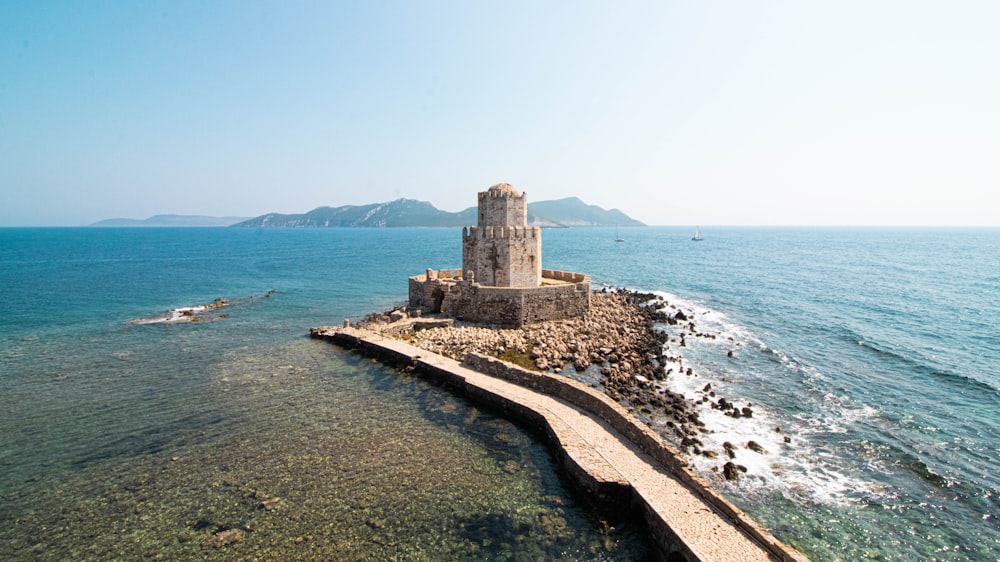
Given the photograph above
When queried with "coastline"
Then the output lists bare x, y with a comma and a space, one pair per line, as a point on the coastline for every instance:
620, 347
617, 342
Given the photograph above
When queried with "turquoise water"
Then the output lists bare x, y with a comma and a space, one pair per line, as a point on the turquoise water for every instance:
874, 351
126, 441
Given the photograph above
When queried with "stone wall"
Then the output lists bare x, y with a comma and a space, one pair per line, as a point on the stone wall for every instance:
502, 207
555, 302
502, 306
645, 438
565, 276
427, 291
503, 256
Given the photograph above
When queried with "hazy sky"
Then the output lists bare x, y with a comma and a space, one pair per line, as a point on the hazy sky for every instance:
741, 112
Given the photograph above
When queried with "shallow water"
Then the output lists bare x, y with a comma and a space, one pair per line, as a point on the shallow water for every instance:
368, 464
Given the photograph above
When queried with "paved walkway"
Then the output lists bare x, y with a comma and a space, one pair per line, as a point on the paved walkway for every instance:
608, 457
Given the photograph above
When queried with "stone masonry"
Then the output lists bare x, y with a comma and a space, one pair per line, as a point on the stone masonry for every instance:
503, 250
501, 281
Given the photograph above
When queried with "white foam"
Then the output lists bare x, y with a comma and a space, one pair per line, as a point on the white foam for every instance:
183, 314
709, 320
803, 469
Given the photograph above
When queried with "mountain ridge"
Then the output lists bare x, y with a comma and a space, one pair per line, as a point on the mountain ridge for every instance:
172, 220
567, 212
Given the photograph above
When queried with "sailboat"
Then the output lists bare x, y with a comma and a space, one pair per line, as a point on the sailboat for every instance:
697, 235
618, 238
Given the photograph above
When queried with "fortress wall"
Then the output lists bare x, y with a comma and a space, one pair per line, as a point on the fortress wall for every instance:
508, 306
556, 302
503, 256
420, 291
489, 305
503, 306
565, 276
525, 259
427, 290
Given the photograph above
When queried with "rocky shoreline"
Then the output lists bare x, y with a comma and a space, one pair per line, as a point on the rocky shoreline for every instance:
624, 344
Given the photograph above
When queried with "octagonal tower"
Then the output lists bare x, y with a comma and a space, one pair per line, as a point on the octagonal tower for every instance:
503, 251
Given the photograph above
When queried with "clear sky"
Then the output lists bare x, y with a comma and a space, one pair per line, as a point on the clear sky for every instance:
676, 112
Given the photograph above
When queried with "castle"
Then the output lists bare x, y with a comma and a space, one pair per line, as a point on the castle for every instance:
502, 281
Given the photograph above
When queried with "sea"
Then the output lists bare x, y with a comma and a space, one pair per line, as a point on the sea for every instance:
868, 357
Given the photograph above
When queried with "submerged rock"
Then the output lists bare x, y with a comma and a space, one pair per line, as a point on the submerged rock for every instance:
270, 503
223, 538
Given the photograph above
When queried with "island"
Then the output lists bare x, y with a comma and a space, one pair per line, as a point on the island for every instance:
579, 365
567, 212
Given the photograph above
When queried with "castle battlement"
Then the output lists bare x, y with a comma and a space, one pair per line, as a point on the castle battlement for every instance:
498, 193
501, 232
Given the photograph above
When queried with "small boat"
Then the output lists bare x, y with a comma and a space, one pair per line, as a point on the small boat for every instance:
697, 235
618, 238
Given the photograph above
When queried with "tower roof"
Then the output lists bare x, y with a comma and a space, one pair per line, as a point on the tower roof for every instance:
504, 189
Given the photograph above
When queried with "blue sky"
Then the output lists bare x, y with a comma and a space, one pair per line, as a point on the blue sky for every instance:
742, 113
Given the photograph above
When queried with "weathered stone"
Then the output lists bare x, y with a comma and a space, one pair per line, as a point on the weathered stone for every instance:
730, 471
625, 334
223, 538
730, 449
504, 281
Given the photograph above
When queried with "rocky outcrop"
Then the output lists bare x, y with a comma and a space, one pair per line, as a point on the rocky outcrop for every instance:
627, 345
616, 336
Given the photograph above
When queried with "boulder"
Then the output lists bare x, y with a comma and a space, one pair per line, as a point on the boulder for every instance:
730, 471
223, 538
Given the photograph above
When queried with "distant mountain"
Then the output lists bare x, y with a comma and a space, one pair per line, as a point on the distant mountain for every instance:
408, 212
401, 212
173, 220
574, 212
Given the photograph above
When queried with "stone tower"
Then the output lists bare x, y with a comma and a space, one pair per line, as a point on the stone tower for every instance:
503, 251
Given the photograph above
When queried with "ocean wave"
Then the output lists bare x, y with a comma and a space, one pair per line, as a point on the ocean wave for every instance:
780, 455
960, 381
182, 314
198, 313
912, 361
709, 319
816, 456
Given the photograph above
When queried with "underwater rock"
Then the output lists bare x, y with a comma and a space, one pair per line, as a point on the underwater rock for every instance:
223, 538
